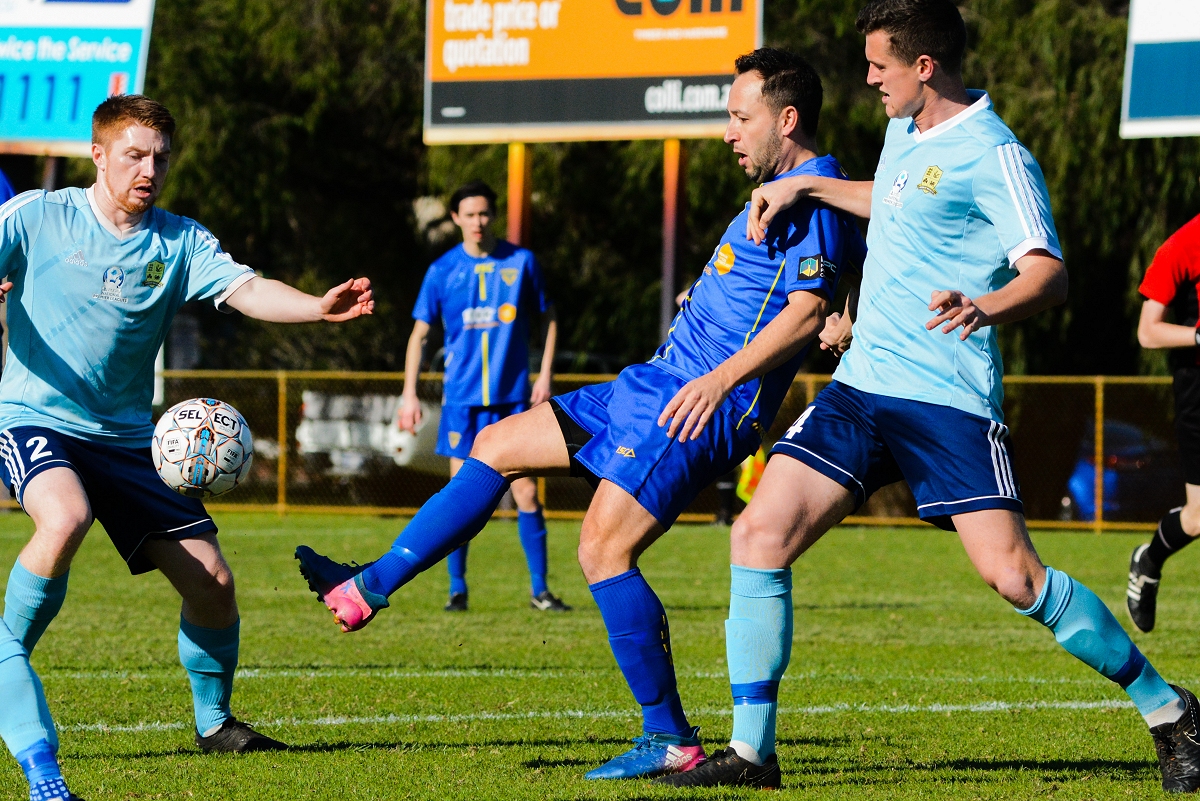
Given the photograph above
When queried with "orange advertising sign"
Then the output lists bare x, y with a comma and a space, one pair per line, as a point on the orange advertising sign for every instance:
582, 69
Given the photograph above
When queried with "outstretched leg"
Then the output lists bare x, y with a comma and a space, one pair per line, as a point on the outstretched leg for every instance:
615, 532
1178, 529
530, 443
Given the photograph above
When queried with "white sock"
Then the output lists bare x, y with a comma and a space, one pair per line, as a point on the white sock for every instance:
746, 751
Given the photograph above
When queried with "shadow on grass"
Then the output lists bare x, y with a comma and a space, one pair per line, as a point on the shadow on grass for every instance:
835, 771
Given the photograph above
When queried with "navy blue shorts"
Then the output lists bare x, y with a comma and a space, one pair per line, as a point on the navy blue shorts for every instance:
954, 461
612, 433
124, 490
459, 425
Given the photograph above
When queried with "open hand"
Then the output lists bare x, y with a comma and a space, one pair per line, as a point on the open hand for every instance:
347, 301
837, 334
541, 389
693, 406
955, 310
409, 416
769, 200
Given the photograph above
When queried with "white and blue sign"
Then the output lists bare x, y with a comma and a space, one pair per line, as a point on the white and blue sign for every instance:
59, 59
1161, 62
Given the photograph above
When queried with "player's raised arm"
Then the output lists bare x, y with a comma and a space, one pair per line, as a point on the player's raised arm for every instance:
768, 200
276, 302
782, 338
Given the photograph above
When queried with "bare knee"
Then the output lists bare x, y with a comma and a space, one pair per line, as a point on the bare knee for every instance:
600, 556
525, 494
489, 448
757, 541
59, 532
1016, 584
210, 599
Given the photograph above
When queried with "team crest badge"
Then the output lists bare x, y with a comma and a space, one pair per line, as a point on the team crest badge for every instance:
507, 312
154, 274
454, 438
810, 268
893, 197
929, 183
509, 275
110, 289
725, 259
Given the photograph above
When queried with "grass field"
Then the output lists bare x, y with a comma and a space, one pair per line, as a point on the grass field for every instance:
909, 678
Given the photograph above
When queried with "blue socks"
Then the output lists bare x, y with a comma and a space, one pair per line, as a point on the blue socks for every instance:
758, 643
1083, 626
456, 563
42, 772
446, 521
31, 602
641, 642
210, 657
531, 528
24, 717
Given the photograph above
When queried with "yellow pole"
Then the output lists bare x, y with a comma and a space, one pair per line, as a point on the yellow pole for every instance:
1098, 455
520, 192
281, 467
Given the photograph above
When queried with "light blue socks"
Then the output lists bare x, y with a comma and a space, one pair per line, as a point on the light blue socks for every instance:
210, 657
758, 645
1083, 626
31, 602
24, 717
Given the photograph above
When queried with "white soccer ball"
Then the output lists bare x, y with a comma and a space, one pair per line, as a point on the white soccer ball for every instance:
202, 447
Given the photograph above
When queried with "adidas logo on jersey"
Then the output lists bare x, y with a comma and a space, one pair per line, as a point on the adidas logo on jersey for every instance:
77, 259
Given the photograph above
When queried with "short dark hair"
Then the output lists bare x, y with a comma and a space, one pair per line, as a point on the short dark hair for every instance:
788, 80
931, 28
473, 189
119, 111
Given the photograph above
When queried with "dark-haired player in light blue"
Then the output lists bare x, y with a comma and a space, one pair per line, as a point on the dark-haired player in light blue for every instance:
662, 431
961, 239
93, 280
484, 292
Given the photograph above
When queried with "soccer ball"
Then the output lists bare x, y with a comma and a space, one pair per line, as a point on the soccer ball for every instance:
202, 447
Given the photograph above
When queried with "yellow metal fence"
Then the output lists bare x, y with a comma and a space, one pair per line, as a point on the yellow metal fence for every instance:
322, 445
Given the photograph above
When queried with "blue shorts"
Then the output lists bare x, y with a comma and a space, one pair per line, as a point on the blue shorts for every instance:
612, 433
953, 461
460, 425
123, 488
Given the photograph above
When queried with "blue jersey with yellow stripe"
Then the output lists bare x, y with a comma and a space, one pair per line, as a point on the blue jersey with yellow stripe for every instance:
744, 286
484, 306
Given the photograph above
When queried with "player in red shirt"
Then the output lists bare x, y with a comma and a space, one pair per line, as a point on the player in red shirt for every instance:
1172, 281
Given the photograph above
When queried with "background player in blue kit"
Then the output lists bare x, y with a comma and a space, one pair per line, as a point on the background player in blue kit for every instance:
94, 279
662, 431
961, 229
484, 292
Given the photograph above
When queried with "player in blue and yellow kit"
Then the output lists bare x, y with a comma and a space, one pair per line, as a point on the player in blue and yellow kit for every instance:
484, 292
93, 279
662, 431
961, 231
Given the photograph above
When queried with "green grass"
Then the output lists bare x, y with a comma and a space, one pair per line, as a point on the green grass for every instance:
507, 703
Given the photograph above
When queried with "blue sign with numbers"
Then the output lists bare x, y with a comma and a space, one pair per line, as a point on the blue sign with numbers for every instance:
1160, 61
54, 74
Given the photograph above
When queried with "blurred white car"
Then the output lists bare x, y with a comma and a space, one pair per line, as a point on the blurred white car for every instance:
356, 431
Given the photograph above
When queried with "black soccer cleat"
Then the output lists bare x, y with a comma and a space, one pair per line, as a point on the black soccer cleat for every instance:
727, 769
236, 737
1178, 747
1141, 596
548, 602
457, 602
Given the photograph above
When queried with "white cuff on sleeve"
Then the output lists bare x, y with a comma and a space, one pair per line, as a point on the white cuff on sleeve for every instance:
234, 286
1033, 243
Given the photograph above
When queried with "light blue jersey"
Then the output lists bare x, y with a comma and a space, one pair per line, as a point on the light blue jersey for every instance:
952, 208
88, 311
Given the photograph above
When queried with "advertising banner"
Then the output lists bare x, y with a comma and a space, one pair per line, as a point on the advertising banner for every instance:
1161, 61
555, 70
59, 59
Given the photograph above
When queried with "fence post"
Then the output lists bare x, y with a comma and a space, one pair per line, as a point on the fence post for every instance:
810, 389
1098, 455
281, 477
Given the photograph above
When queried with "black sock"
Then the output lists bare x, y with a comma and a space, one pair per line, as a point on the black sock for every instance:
1169, 538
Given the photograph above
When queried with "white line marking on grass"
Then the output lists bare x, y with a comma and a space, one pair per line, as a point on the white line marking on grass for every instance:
583, 714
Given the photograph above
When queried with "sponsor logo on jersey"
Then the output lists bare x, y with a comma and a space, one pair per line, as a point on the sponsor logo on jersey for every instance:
454, 437
110, 289
725, 259
929, 183
77, 259
479, 317
507, 312
626, 452
154, 274
893, 197
509, 275
817, 266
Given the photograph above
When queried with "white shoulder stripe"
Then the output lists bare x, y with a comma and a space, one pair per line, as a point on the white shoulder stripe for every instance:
1012, 191
23, 199
1021, 189
1035, 212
